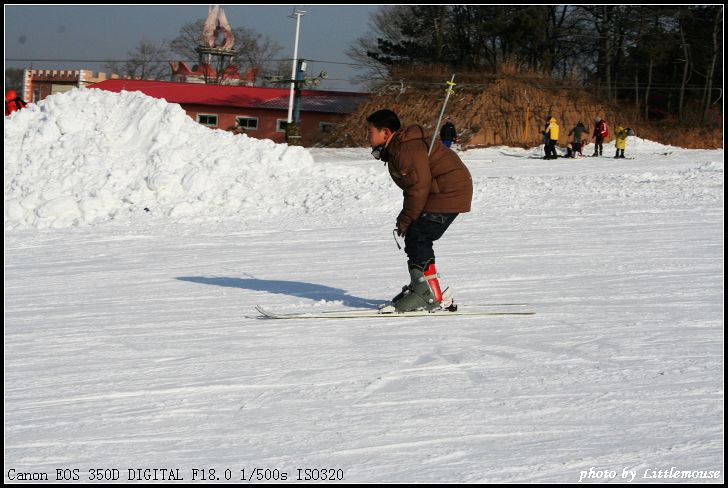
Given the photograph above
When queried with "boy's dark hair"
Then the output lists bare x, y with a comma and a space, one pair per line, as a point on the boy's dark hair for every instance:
385, 119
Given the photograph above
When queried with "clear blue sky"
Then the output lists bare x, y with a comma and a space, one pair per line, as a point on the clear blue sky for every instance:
110, 32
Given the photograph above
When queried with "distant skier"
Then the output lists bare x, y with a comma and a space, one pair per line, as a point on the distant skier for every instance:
552, 131
13, 102
578, 132
621, 142
601, 132
436, 189
448, 134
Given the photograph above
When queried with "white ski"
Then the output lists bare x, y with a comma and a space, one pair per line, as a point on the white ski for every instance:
353, 314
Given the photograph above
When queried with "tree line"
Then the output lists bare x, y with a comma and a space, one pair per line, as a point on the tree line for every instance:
666, 60
150, 60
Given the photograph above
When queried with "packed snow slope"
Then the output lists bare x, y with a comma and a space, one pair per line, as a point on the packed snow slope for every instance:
131, 341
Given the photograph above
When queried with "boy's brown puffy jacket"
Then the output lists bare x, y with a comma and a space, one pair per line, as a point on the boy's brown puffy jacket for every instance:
439, 183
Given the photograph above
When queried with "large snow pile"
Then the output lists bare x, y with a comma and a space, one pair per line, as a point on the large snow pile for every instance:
90, 156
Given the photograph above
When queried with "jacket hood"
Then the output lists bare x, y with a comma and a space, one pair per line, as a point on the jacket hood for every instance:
410, 133
405, 134
552, 120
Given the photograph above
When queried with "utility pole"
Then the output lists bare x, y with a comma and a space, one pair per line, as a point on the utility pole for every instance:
292, 130
300, 80
293, 136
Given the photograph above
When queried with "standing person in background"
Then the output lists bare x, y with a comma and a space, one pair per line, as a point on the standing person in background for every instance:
578, 132
13, 102
601, 132
448, 134
545, 140
552, 130
621, 142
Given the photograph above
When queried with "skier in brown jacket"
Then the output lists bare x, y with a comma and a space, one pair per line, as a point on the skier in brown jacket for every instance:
436, 188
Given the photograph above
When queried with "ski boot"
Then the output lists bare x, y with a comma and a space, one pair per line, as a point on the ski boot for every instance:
422, 293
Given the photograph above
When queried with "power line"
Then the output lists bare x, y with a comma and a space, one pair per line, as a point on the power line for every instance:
393, 82
39, 60
338, 62
176, 60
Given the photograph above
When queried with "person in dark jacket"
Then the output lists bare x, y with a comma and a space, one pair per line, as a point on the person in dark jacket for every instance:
448, 134
13, 102
436, 188
578, 132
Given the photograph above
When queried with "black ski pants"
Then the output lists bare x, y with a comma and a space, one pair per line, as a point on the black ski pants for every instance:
551, 149
598, 148
576, 148
428, 228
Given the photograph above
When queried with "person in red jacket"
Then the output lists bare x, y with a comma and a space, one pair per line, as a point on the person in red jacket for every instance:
601, 132
13, 102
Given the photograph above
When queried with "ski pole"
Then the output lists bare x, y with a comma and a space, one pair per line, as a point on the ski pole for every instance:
394, 234
442, 112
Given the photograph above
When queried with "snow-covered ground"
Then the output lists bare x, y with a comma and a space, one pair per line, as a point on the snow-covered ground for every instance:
131, 341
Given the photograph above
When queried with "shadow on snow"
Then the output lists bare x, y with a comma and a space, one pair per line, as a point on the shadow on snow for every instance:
299, 289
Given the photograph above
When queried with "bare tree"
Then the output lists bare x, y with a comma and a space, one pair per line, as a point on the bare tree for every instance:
148, 61
656, 48
386, 27
717, 24
370, 68
257, 51
683, 12
189, 38
252, 50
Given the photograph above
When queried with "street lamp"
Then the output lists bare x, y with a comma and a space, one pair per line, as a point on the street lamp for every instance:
298, 14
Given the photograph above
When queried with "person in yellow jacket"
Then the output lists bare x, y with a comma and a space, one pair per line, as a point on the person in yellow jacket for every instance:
621, 142
553, 135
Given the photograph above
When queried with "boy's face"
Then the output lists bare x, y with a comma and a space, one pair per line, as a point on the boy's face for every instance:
377, 137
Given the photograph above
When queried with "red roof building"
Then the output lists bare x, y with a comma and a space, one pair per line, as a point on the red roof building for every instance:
260, 112
41, 83
181, 72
